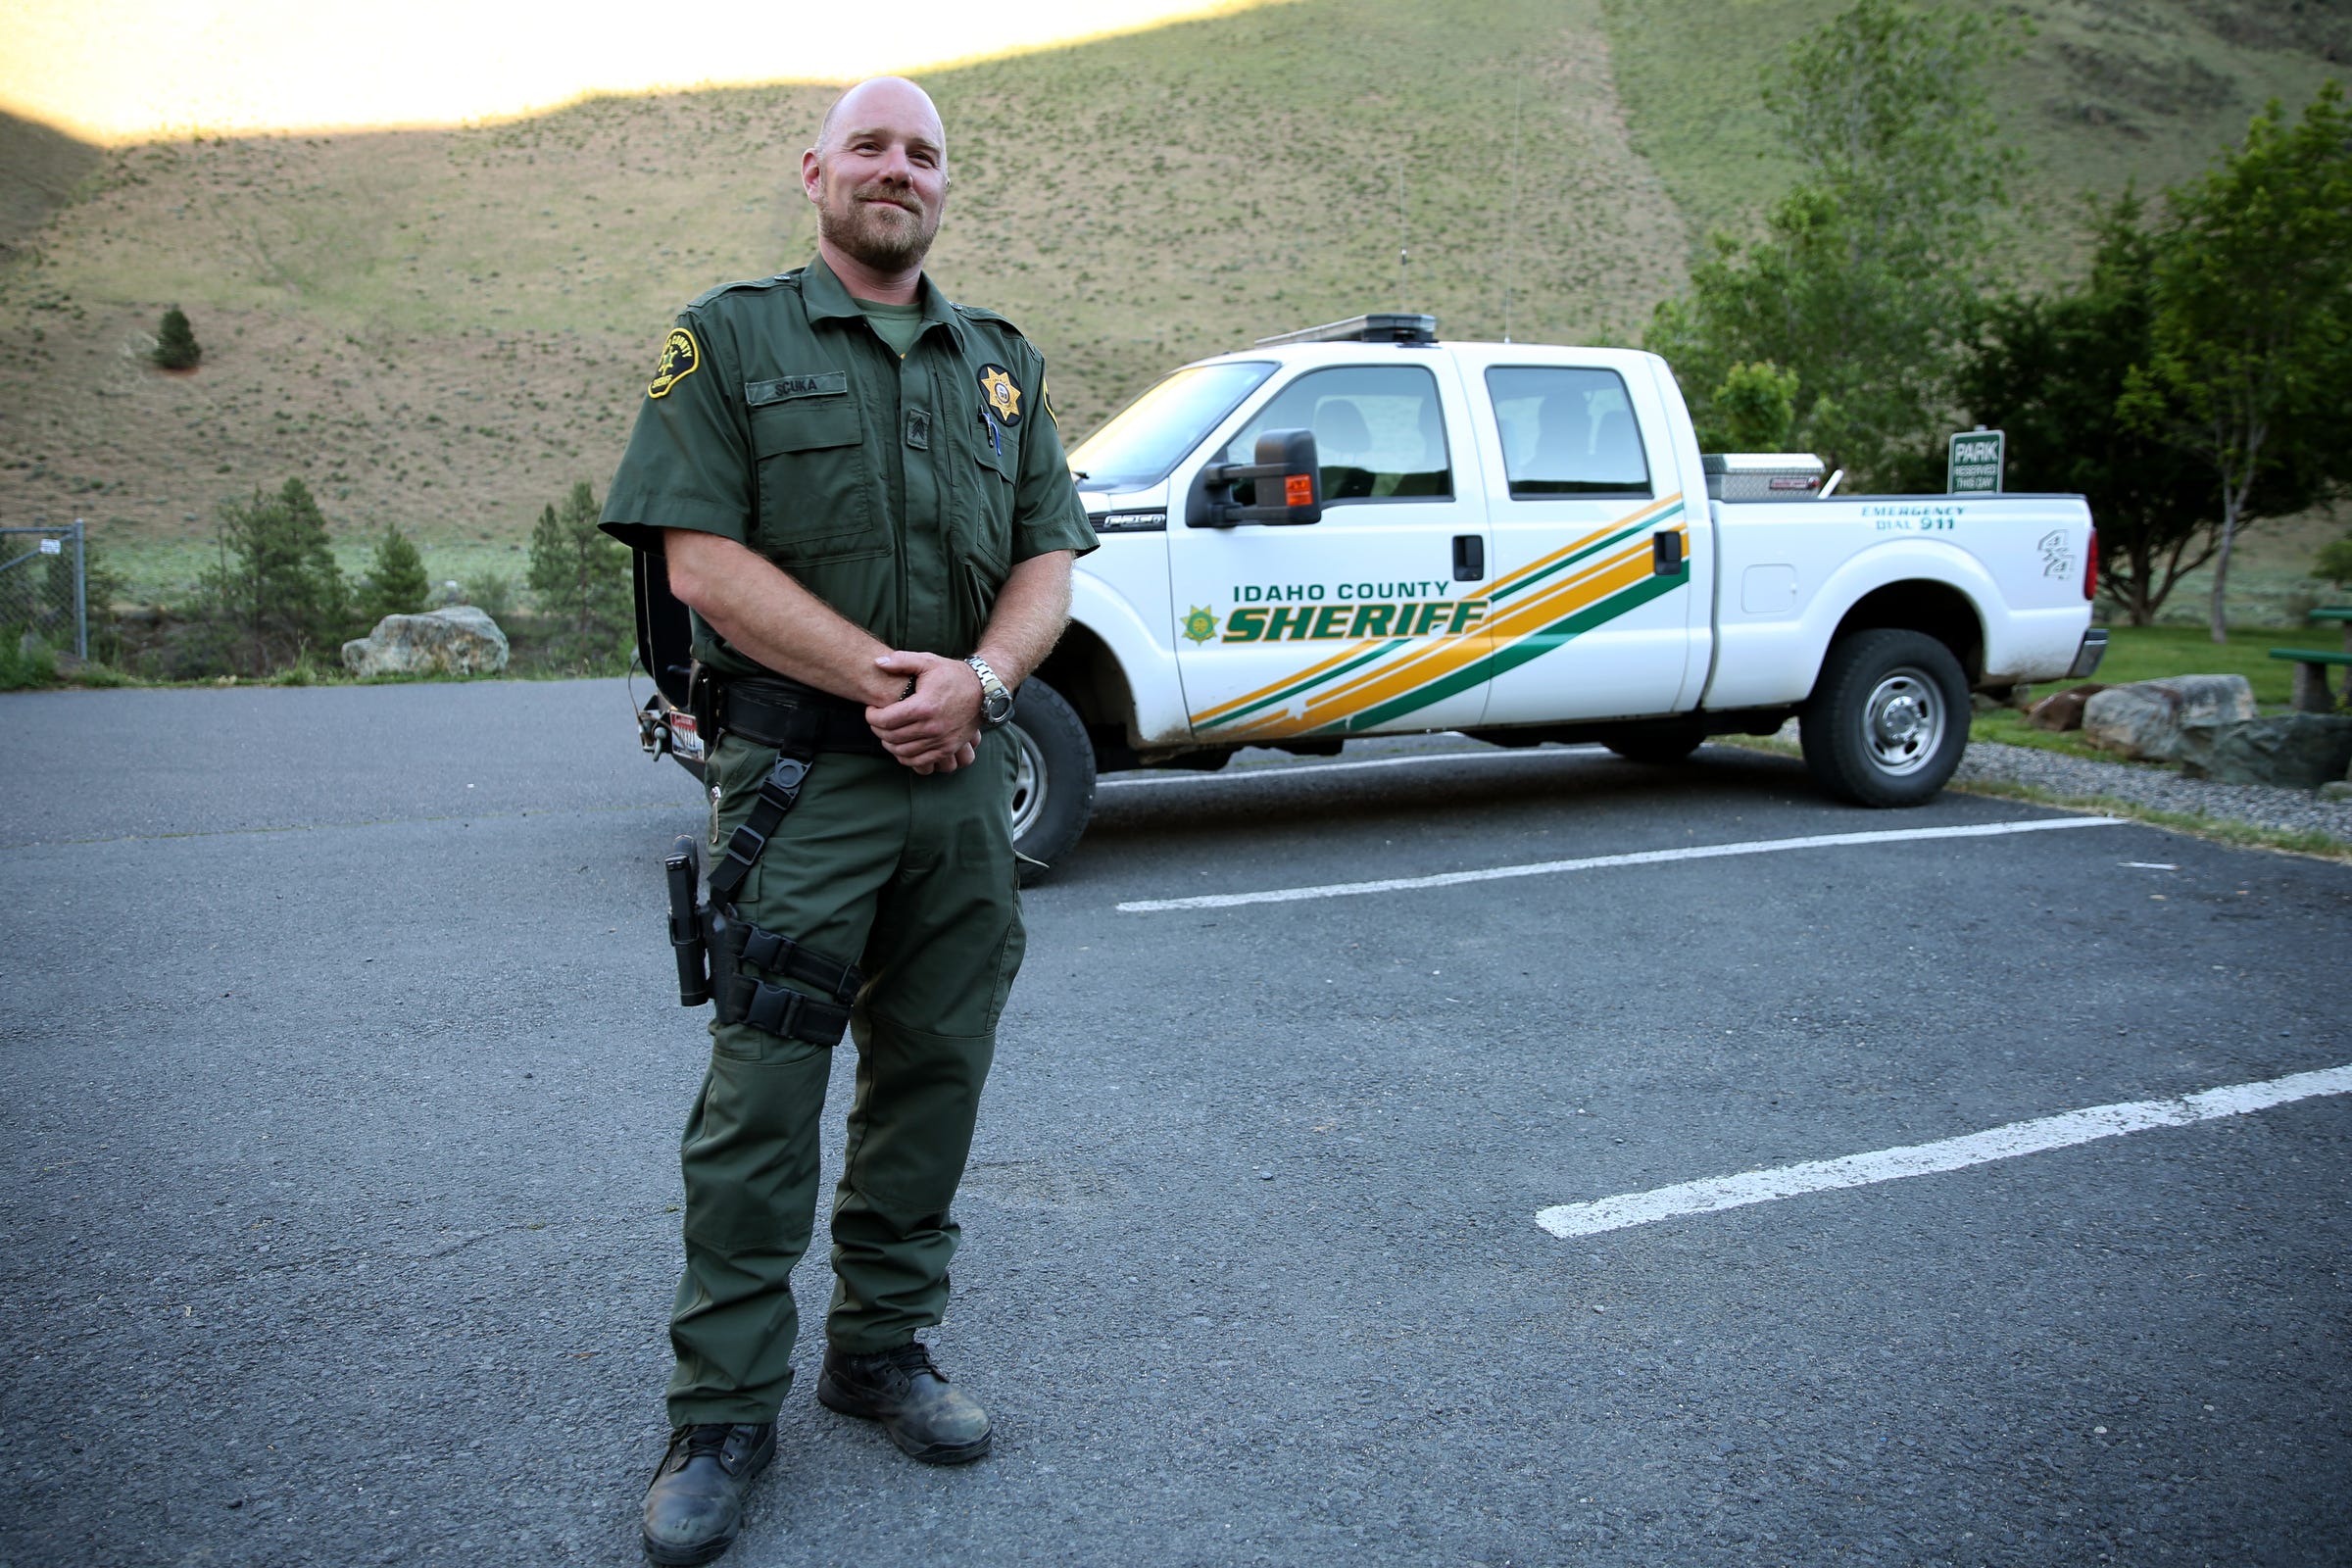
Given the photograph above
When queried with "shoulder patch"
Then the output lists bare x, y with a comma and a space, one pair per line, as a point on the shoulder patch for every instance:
681, 357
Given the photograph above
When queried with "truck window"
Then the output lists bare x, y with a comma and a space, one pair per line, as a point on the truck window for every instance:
1567, 432
1379, 433
1148, 437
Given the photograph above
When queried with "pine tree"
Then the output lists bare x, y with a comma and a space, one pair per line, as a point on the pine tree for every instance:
277, 592
175, 346
579, 579
395, 585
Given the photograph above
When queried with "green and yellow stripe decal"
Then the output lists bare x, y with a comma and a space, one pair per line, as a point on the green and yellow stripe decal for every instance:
1547, 603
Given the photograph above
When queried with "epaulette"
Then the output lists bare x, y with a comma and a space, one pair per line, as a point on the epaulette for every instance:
978, 312
791, 279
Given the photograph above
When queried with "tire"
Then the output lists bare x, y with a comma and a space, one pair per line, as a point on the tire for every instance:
1053, 777
1657, 745
1888, 719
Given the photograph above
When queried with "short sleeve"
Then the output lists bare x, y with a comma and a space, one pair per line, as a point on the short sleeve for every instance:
687, 461
1047, 515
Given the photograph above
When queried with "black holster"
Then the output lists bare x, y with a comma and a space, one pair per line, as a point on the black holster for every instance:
712, 942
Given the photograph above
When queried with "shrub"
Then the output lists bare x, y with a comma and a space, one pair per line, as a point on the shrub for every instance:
175, 346
25, 662
2335, 563
492, 593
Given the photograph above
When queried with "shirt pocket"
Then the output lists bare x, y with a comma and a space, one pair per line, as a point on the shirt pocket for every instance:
815, 485
987, 531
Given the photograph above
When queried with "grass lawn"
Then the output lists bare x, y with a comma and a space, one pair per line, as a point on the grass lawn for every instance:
2152, 652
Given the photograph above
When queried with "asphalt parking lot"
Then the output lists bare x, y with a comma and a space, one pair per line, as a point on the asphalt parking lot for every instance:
341, 1076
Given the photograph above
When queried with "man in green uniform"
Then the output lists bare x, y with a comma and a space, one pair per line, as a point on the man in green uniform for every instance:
860, 491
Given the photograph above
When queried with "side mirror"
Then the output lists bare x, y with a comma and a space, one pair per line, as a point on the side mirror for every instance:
1285, 458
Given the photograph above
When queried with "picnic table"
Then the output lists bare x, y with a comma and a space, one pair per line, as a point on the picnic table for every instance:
2311, 693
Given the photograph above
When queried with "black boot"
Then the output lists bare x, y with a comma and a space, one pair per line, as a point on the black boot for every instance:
910, 1398
695, 1505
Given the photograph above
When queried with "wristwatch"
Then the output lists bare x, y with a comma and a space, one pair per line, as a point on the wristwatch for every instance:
995, 703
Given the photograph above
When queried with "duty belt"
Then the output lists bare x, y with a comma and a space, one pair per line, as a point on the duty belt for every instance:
771, 711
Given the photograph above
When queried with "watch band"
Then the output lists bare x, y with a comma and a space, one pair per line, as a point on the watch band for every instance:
996, 700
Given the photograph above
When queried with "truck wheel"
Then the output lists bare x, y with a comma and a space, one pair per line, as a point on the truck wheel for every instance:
1658, 745
1052, 777
1888, 719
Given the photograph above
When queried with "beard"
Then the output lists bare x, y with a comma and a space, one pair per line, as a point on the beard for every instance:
886, 237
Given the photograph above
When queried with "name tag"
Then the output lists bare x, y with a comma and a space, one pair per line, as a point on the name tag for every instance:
823, 384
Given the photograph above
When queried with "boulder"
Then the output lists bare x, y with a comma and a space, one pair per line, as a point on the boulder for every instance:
2144, 719
459, 639
2063, 710
2296, 751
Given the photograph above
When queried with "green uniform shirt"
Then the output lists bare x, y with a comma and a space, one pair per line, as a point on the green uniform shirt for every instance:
900, 489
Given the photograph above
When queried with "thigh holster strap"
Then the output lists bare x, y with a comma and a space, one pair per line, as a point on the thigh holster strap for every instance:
778, 1011
777, 793
780, 955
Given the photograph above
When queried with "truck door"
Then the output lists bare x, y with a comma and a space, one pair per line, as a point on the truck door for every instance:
1590, 607
1370, 619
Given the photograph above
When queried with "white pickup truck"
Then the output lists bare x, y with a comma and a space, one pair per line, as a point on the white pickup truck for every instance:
1365, 529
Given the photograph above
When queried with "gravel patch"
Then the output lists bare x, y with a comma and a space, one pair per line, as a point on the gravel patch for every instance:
2261, 804
2157, 788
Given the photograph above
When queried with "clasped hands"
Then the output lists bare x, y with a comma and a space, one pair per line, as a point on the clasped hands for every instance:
934, 727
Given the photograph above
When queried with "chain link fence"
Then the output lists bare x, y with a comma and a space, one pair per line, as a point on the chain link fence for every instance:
44, 587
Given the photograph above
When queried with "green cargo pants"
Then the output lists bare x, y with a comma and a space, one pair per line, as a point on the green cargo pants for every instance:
911, 878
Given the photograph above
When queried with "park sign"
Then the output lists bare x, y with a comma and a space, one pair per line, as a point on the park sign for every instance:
1976, 463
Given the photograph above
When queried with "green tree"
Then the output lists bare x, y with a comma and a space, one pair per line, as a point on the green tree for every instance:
1752, 410
2252, 339
176, 347
395, 585
579, 579
2051, 371
1861, 287
276, 593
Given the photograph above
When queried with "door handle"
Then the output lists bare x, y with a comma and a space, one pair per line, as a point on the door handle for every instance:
1666, 553
1469, 556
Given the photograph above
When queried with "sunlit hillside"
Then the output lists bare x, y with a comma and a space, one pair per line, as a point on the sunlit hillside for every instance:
447, 329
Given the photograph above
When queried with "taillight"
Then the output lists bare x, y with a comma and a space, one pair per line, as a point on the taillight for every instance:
2090, 566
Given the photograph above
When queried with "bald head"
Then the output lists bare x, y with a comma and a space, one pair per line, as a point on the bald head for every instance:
885, 100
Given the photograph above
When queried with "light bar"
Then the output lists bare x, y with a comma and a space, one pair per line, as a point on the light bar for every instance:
1384, 326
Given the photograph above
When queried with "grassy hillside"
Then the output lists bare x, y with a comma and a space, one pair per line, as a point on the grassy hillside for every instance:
446, 329
2106, 92
39, 171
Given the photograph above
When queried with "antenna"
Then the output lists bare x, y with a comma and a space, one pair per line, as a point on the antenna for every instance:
1404, 248
1510, 221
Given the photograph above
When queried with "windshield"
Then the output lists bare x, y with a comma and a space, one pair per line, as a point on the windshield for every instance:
1150, 435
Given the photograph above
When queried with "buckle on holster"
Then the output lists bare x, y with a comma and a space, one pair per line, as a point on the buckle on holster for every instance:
777, 794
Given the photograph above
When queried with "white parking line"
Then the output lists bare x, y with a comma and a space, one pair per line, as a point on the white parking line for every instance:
1926, 1159
1694, 852
1129, 781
